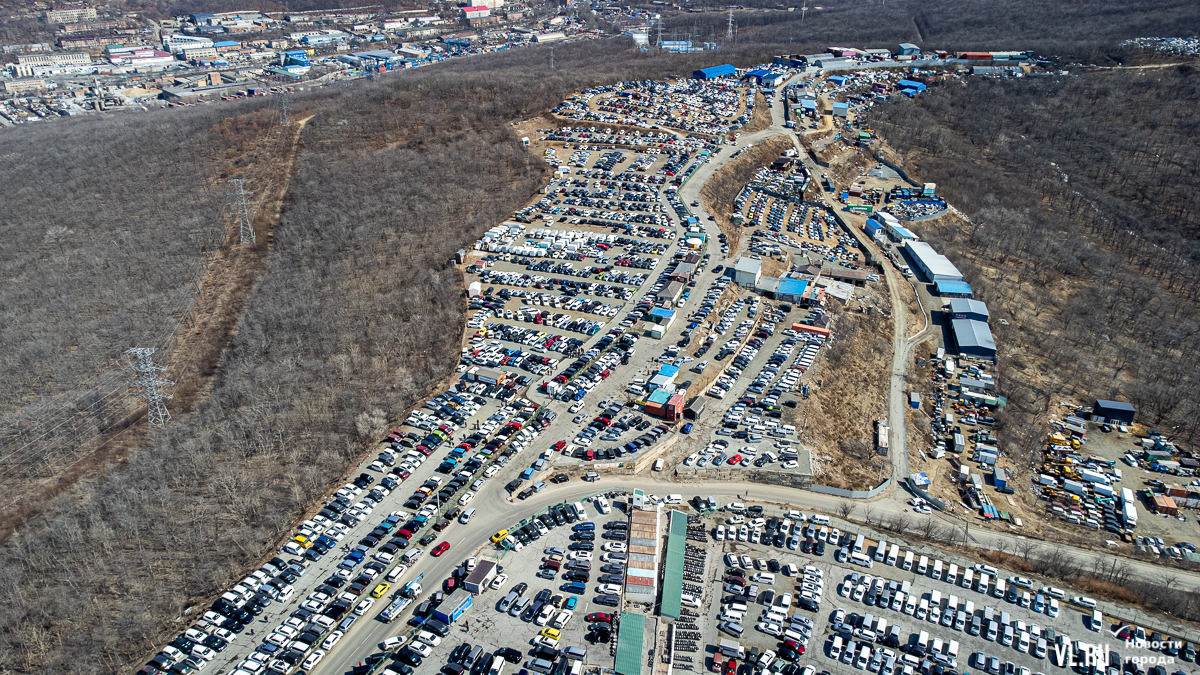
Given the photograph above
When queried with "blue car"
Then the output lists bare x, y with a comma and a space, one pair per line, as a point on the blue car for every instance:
687, 428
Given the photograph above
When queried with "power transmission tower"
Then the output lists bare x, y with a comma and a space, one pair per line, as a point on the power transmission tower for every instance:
729, 30
659, 45
284, 107
148, 379
246, 228
551, 57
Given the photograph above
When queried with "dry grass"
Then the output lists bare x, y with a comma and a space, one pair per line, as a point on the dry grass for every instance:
849, 392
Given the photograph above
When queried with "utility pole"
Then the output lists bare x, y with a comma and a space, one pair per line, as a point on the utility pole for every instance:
245, 227
551, 57
729, 29
156, 411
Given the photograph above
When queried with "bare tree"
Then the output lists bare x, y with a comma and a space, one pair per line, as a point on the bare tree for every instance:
845, 509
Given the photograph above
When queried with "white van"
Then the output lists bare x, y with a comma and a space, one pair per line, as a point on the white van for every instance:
858, 544
467, 515
893, 553
952, 574
908, 560
658, 464
818, 519
880, 551
788, 429
923, 566
579, 510
968, 579
1097, 621
937, 569
985, 582
1001, 586
862, 560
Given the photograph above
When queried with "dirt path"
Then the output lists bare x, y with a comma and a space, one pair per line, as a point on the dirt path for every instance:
227, 281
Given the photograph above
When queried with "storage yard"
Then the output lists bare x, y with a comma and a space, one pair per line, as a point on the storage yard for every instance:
617, 343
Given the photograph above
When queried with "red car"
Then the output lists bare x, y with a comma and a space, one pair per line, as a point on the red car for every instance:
560, 445
731, 667
440, 549
735, 459
598, 617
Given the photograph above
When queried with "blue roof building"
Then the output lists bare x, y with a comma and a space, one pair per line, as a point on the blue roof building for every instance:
954, 289
713, 72
839, 80
911, 84
790, 290
669, 371
757, 74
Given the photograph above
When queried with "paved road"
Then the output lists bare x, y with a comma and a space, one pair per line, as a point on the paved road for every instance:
495, 512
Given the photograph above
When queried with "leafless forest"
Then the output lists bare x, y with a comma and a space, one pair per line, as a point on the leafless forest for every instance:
1084, 216
350, 315
1078, 30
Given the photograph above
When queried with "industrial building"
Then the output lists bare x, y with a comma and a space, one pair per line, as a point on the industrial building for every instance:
935, 266
973, 338
841, 109
714, 72
908, 49
746, 272
1114, 411
962, 308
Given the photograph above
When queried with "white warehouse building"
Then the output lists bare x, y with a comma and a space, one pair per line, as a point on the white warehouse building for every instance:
934, 265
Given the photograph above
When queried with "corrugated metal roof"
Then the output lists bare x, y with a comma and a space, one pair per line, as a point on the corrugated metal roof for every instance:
673, 565
968, 306
954, 288
629, 644
972, 334
936, 264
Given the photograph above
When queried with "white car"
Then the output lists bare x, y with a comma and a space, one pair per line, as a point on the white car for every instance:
581, 555
491, 471
608, 589
615, 547
719, 535
466, 499
332, 640
312, 660
498, 581
364, 606
428, 638
770, 628
421, 648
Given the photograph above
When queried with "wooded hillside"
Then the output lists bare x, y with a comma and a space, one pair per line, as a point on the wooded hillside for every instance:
1084, 218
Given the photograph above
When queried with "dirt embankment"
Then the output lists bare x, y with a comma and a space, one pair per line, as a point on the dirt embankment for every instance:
848, 392
723, 187
761, 119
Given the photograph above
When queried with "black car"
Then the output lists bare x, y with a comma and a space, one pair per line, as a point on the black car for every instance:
428, 539
607, 600
582, 546
509, 654
585, 536
612, 578
577, 575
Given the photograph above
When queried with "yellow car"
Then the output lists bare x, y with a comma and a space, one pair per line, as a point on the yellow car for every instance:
551, 633
380, 590
496, 538
302, 540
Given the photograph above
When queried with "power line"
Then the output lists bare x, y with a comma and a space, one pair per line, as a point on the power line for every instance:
245, 227
148, 379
